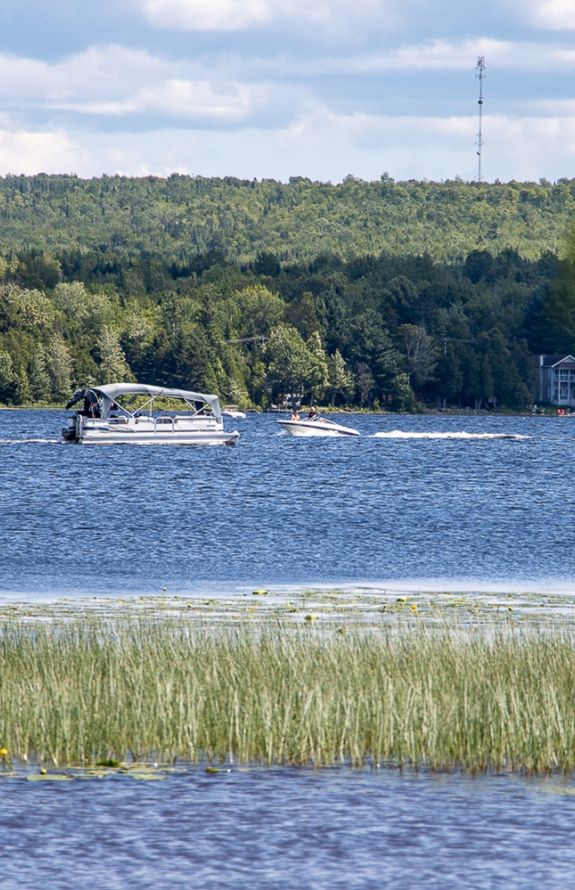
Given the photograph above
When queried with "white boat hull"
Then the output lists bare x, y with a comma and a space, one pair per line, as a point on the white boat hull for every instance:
144, 431
320, 427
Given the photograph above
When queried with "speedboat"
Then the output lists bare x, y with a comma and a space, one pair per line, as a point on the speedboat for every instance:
316, 426
139, 414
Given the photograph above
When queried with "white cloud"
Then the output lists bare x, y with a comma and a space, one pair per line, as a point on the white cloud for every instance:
500, 54
235, 15
181, 99
522, 148
29, 152
207, 15
113, 81
443, 55
554, 15
95, 71
184, 108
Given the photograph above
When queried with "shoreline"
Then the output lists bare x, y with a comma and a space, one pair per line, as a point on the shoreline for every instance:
358, 606
423, 411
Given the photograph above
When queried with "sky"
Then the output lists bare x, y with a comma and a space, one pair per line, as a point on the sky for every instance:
273, 89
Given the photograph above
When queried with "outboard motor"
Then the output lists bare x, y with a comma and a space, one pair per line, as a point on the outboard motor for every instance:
73, 432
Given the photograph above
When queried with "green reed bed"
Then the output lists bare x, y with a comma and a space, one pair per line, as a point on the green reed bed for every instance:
478, 700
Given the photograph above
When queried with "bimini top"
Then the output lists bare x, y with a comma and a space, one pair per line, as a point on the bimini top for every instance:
112, 391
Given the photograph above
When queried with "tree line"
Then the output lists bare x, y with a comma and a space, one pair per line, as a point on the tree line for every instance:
383, 330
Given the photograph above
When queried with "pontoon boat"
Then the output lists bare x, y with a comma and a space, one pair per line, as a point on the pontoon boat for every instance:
138, 414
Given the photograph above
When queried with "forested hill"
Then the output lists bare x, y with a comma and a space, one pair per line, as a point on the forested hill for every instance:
183, 215
376, 294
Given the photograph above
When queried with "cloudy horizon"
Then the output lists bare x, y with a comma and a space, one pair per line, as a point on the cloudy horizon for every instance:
268, 89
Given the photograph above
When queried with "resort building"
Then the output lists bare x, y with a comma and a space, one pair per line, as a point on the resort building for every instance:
556, 380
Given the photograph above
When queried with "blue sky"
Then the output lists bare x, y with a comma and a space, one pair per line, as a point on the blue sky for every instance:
279, 88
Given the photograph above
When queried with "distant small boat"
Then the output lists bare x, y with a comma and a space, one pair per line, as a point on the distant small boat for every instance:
233, 411
104, 420
316, 426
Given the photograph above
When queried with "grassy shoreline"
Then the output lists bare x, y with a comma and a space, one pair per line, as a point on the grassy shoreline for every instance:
447, 695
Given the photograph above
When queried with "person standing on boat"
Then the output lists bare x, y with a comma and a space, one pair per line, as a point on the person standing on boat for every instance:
91, 404
295, 415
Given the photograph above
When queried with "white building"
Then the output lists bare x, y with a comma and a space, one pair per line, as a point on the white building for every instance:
556, 383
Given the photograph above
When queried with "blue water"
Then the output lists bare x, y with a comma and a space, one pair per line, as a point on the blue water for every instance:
436, 500
284, 829
278, 510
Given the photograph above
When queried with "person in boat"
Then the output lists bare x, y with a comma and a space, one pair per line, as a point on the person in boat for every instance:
91, 404
295, 415
313, 413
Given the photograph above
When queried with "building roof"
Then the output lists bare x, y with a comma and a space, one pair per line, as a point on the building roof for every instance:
556, 360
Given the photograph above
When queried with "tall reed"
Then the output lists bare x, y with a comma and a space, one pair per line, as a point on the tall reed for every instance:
435, 697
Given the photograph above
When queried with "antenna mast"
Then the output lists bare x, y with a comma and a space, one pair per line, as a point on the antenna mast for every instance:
480, 68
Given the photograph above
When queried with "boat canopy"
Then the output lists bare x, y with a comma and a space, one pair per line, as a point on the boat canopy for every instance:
109, 392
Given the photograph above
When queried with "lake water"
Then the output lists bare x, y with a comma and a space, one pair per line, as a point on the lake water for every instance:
428, 502
430, 498
286, 829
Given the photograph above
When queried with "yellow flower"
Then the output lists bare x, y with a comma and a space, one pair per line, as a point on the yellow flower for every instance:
3, 752
413, 607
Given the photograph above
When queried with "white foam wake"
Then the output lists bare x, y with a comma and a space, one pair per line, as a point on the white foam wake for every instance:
400, 434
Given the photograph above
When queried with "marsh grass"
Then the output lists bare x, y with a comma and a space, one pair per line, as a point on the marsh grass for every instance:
72, 693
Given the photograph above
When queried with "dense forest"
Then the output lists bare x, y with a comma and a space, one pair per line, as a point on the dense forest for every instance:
371, 294
184, 216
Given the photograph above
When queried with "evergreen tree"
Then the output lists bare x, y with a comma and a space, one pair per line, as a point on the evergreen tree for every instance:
340, 378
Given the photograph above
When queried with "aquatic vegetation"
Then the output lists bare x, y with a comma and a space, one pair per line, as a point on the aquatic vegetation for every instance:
441, 696
5, 763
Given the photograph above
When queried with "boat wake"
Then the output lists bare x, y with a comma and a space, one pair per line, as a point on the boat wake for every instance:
400, 434
29, 441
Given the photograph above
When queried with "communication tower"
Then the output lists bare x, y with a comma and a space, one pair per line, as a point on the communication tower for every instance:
480, 68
